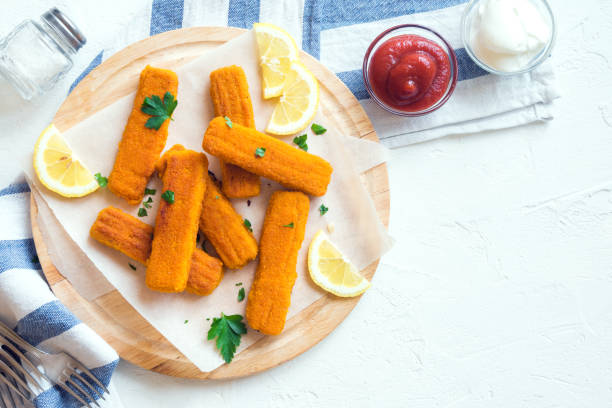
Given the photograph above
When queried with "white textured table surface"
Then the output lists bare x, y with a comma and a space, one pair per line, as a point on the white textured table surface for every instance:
498, 292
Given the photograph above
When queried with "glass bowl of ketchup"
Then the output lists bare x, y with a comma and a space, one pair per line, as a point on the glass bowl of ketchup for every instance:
410, 70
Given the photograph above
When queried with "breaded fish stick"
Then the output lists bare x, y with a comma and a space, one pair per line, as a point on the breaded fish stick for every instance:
291, 167
176, 224
140, 147
229, 92
225, 229
132, 237
281, 239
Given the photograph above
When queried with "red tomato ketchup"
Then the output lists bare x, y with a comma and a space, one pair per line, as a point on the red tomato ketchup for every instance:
410, 73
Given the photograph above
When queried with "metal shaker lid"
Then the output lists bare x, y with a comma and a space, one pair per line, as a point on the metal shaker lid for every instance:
64, 28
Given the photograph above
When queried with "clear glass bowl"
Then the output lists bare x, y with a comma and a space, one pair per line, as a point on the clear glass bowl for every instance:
422, 31
466, 25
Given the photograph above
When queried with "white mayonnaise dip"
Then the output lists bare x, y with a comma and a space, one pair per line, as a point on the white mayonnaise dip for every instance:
507, 34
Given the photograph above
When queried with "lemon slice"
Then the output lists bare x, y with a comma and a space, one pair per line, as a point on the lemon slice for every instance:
332, 271
298, 103
58, 169
277, 50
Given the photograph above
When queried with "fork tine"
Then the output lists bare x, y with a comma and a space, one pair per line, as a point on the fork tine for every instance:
84, 370
11, 386
17, 399
4, 395
25, 359
20, 368
86, 383
81, 390
10, 373
14, 337
74, 394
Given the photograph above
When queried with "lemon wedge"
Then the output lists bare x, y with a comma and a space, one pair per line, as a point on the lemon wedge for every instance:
297, 104
58, 169
277, 50
332, 271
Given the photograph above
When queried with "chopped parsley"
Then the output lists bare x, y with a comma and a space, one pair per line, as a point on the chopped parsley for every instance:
323, 209
228, 122
238, 284
260, 152
102, 181
150, 191
247, 224
142, 212
227, 330
132, 266
290, 225
318, 129
159, 110
147, 204
300, 141
186, 321
241, 295
168, 196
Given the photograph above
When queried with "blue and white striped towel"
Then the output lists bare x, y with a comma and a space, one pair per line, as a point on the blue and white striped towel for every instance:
28, 305
338, 33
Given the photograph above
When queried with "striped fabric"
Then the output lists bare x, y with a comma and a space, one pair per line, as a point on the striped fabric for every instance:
338, 32
27, 304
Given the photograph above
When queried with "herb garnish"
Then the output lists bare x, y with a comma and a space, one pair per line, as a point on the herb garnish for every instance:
147, 204
227, 330
241, 295
247, 224
260, 152
238, 284
318, 129
186, 321
290, 225
228, 122
301, 142
132, 266
158, 109
102, 181
168, 195
150, 191
142, 212
323, 209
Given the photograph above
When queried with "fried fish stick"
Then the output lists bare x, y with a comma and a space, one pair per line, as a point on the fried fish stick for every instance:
281, 239
140, 146
225, 229
291, 167
229, 92
132, 237
176, 224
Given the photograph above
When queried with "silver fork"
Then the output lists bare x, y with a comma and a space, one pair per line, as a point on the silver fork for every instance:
26, 380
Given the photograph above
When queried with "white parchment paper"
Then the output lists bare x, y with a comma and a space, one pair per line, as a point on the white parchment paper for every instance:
358, 231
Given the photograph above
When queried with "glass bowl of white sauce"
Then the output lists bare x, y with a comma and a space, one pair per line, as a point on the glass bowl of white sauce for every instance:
508, 37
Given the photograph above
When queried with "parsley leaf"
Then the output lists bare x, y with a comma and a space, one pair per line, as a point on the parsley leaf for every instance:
228, 122
227, 330
238, 284
241, 295
147, 204
323, 209
158, 109
132, 266
186, 321
247, 224
290, 225
150, 191
142, 212
168, 195
260, 152
102, 181
318, 129
301, 142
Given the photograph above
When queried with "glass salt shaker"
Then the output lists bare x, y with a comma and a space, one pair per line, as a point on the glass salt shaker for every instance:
36, 55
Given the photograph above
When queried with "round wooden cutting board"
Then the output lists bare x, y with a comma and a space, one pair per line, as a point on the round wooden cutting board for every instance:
111, 315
